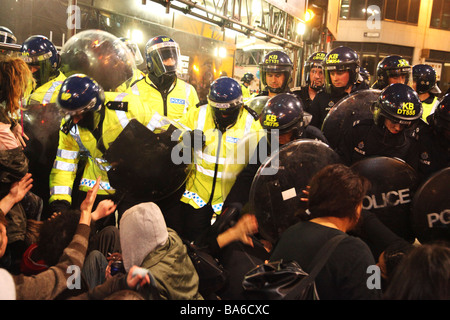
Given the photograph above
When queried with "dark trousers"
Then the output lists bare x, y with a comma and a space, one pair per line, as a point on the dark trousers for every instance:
187, 221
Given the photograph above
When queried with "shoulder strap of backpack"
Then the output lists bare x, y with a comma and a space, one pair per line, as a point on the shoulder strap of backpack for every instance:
325, 252
318, 262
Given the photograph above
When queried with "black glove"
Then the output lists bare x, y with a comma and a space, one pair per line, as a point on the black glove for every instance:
58, 206
229, 216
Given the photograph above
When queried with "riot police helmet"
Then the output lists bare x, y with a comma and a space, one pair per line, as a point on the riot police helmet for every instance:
399, 103
341, 59
7, 36
276, 62
424, 77
314, 61
283, 112
226, 101
162, 54
38, 51
247, 77
80, 94
441, 116
390, 67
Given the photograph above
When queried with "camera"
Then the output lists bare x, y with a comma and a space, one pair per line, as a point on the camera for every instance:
117, 267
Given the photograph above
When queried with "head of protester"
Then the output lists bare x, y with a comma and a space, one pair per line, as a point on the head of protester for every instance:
226, 102
392, 69
79, 98
341, 70
162, 54
313, 70
15, 76
398, 107
284, 113
276, 72
42, 58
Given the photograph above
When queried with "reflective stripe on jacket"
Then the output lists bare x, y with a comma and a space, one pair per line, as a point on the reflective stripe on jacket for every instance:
80, 143
210, 162
180, 98
48, 92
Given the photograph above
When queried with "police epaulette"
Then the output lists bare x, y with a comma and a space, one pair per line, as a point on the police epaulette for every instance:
252, 112
117, 105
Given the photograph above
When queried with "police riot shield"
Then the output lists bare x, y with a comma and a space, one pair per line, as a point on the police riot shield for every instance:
41, 124
146, 164
99, 55
348, 110
393, 183
431, 208
243, 154
277, 189
257, 103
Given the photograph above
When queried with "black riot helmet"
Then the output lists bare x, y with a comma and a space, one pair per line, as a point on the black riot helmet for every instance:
392, 66
247, 77
398, 103
314, 61
441, 116
339, 59
276, 62
424, 76
225, 100
284, 112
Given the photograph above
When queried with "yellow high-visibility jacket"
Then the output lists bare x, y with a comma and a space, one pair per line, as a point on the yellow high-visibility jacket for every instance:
48, 92
429, 108
80, 141
181, 97
246, 95
209, 163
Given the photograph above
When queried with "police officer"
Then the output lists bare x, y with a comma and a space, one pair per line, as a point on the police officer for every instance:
392, 69
282, 117
137, 74
314, 78
246, 80
434, 140
397, 109
161, 90
44, 61
94, 119
341, 78
424, 82
224, 121
276, 73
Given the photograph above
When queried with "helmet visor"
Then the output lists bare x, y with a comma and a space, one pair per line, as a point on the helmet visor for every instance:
165, 58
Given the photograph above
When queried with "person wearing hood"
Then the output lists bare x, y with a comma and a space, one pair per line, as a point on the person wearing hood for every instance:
147, 242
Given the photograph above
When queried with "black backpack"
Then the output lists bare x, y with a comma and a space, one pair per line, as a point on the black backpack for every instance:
282, 280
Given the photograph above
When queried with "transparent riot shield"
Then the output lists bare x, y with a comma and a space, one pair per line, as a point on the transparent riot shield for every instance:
431, 208
238, 158
278, 186
257, 103
393, 184
148, 162
348, 110
99, 55
41, 124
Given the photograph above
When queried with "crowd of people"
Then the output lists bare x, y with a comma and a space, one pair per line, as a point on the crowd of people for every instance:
112, 217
